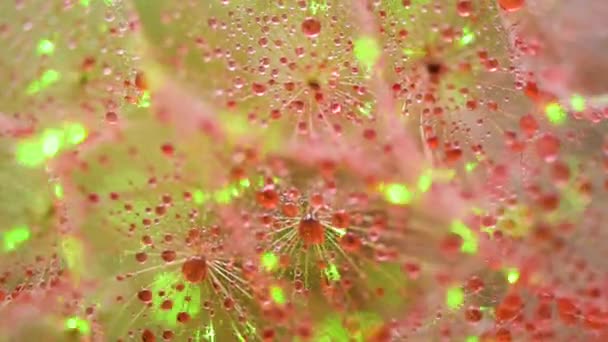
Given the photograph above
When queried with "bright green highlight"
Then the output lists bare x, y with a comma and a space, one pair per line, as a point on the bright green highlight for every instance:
29, 153
332, 329
469, 243
277, 295
58, 190
577, 102
472, 339
270, 261
45, 47
367, 51
77, 323
199, 197
396, 193
85, 3
34, 151
467, 37
555, 113
470, 166
15, 237
51, 142
75, 133
209, 334
425, 181
166, 282
366, 108
48, 78
332, 273
512, 275
454, 297
144, 100
316, 6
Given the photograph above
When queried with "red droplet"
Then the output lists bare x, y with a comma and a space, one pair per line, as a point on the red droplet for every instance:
148, 336
145, 295
547, 147
464, 8
311, 27
311, 232
511, 5
267, 198
195, 269
167, 149
258, 89
111, 117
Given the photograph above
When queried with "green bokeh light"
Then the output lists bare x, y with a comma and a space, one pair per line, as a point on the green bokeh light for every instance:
34, 151
469, 243
512, 275
367, 51
425, 181
467, 37
454, 297
15, 237
77, 323
277, 295
398, 194
45, 47
578, 103
48, 78
332, 273
270, 261
555, 113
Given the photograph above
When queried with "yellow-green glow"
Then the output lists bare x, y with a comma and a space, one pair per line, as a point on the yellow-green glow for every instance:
270, 261
45, 47
144, 100
454, 297
15, 237
48, 78
51, 142
413, 52
469, 240
467, 37
425, 181
199, 196
209, 334
245, 183
277, 295
223, 196
333, 328
34, 151
85, 3
29, 153
75, 133
366, 108
166, 282
318, 5
512, 275
396, 193
367, 51
470, 166
58, 189
77, 323
577, 102
332, 273
555, 113
472, 339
